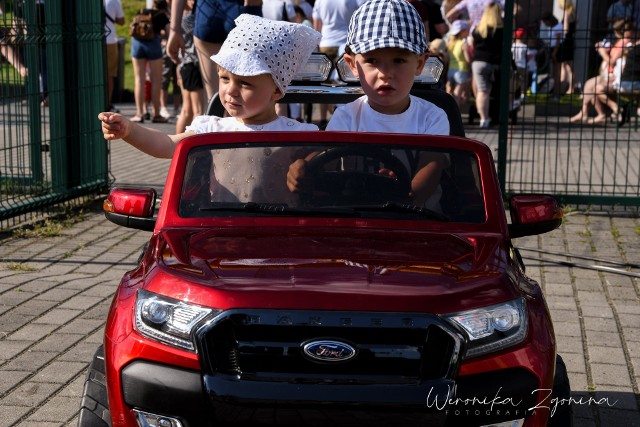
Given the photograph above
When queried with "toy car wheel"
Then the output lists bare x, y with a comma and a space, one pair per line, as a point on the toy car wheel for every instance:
338, 187
563, 416
94, 409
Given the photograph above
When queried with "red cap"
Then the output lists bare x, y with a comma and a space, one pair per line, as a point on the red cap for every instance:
519, 33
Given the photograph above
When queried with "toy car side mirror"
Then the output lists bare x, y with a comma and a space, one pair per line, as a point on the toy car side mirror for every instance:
533, 214
131, 207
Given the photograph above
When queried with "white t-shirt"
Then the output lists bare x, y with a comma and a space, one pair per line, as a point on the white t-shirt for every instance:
422, 118
272, 9
258, 174
519, 52
551, 35
113, 8
335, 16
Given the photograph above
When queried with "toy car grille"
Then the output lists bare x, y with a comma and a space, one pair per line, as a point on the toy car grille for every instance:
392, 348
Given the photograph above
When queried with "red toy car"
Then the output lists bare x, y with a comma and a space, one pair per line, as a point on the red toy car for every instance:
345, 304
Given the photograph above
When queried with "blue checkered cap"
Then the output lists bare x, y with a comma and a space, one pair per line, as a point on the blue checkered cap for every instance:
380, 24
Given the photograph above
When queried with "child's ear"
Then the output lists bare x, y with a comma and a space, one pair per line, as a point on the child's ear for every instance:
351, 62
422, 59
277, 95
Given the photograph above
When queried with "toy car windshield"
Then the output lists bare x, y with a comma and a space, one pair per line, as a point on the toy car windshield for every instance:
341, 179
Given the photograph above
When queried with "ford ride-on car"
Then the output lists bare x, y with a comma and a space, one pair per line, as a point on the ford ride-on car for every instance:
347, 303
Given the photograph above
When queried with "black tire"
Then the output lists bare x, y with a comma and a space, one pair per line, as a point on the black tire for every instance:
94, 409
563, 416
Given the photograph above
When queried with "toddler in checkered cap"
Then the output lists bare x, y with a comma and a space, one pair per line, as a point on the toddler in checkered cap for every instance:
386, 48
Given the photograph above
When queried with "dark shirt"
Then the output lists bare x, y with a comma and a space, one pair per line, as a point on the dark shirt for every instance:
631, 70
488, 49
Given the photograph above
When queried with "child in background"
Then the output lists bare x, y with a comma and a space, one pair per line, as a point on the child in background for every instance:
519, 51
386, 49
459, 74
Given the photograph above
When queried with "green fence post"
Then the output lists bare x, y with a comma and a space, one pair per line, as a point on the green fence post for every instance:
505, 86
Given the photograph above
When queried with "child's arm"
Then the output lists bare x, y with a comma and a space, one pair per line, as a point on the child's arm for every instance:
427, 179
149, 141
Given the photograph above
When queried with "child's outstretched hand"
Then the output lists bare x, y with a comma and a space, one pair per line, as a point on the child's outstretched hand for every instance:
114, 125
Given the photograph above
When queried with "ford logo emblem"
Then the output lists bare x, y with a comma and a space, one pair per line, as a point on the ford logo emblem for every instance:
329, 351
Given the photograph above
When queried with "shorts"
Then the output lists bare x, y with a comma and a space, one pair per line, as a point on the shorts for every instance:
458, 77
215, 18
191, 76
168, 73
150, 50
112, 60
483, 74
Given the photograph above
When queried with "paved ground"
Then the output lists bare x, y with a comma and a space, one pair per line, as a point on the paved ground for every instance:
55, 293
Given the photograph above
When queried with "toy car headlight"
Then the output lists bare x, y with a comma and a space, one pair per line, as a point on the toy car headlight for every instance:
168, 320
317, 69
492, 328
430, 74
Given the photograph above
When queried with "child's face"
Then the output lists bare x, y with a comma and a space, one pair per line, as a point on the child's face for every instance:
250, 99
386, 76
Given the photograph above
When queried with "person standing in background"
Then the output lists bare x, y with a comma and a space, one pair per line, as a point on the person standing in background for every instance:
487, 49
193, 94
214, 19
149, 52
114, 15
567, 46
331, 19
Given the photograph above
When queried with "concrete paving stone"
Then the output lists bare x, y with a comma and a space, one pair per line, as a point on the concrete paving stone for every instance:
605, 375
569, 345
597, 311
102, 289
39, 424
40, 286
592, 298
622, 294
60, 371
565, 316
11, 348
33, 332
75, 388
83, 351
607, 354
569, 329
575, 362
81, 302
57, 294
631, 333
603, 339
558, 289
11, 414
600, 324
57, 342
629, 320
31, 393
15, 297
81, 326
96, 337
57, 409
29, 361
583, 285
11, 322
584, 422
72, 423
10, 379
34, 307
57, 316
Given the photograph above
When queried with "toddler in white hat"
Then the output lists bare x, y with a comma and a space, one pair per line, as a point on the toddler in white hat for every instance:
256, 63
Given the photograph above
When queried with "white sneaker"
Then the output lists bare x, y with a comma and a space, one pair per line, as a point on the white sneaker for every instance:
165, 113
484, 124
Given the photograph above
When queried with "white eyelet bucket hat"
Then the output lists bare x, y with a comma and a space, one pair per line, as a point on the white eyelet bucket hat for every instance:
381, 24
264, 46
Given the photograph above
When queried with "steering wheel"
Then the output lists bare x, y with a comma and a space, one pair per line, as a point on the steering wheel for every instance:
349, 187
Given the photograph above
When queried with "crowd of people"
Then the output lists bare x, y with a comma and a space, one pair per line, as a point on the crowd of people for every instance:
467, 35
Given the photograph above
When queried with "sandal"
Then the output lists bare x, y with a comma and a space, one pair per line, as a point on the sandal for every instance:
137, 119
160, 119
